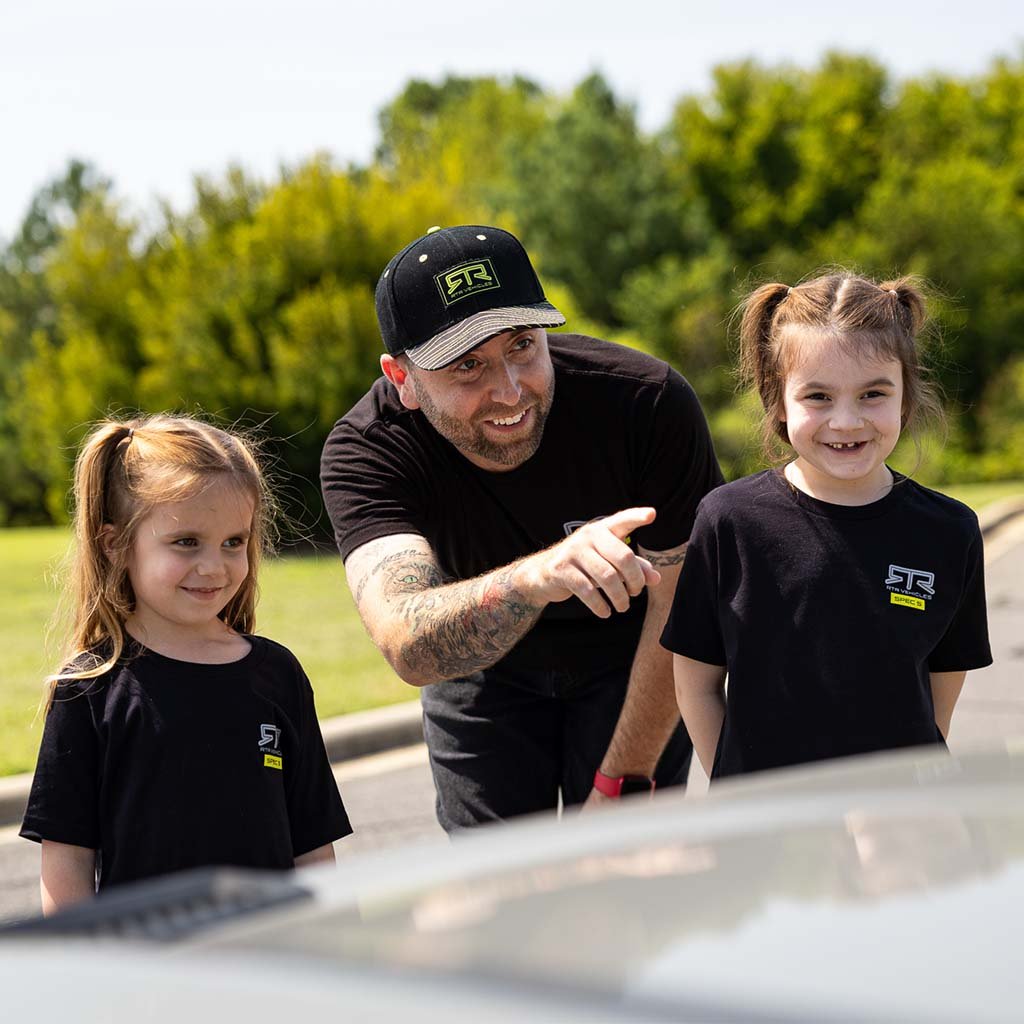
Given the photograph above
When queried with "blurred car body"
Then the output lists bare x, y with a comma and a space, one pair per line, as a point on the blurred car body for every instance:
885, 888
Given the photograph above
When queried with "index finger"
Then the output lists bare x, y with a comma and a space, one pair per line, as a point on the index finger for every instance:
623, 523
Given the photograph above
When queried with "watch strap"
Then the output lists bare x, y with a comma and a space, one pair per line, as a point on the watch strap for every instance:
612, 786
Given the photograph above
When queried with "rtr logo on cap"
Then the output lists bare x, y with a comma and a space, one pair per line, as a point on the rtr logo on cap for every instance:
466, 279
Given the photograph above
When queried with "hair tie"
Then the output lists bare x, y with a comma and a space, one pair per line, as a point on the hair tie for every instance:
788, 290
131, 433
893, 291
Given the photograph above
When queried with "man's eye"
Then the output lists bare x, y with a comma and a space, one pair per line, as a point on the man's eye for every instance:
468, 365
523, 343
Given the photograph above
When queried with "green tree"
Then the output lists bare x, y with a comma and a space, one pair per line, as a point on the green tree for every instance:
776, 153
29, 314
593, 201
87, 364
461, 136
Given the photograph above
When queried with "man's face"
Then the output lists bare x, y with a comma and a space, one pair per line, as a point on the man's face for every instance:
492, 402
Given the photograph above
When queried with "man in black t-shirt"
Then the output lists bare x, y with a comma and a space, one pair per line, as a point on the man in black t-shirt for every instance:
513, 512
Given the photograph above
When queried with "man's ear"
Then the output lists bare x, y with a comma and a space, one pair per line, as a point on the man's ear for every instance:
402, 380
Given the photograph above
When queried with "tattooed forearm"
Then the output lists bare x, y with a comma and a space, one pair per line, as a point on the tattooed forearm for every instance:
466, 626
431, 629
674, 556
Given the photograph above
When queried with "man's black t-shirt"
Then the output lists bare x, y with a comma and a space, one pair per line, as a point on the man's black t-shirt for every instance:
625, 430
162, 765
829, 617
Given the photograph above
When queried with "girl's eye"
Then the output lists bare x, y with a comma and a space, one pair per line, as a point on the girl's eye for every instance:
186, 542
874, 394
234, 542
817, 396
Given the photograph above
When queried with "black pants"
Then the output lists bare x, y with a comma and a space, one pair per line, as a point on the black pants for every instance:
508, 742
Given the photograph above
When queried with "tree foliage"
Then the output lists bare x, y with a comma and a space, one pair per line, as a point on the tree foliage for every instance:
255, 305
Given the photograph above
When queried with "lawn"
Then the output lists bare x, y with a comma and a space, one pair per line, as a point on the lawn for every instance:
306, 605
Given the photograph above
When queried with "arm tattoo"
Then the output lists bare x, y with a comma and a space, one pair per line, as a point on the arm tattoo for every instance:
405, 572
452, 629
466, 626
674, 556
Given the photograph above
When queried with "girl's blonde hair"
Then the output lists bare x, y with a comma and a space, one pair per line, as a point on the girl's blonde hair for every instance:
879, 320
124, 469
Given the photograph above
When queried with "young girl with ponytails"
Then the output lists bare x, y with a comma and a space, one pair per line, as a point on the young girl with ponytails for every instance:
845, 601
174, 738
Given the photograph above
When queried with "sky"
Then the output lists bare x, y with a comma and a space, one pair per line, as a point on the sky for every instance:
153, 93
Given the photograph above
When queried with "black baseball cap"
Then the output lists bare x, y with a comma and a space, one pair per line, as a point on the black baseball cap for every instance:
454, 288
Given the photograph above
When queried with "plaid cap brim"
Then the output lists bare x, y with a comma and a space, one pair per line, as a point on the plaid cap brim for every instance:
447, 346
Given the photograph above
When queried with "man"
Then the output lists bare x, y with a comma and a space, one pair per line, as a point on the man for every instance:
512, 511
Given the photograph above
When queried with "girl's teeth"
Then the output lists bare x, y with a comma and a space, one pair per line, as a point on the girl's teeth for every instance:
852, 444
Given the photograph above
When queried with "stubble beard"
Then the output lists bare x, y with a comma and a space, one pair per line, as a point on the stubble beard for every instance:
470, 438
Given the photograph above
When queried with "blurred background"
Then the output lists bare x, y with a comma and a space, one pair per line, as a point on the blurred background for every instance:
197, 200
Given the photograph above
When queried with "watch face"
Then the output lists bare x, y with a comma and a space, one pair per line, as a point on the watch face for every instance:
636, 784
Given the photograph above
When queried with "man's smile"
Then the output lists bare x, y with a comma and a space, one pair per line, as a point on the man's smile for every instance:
509, 422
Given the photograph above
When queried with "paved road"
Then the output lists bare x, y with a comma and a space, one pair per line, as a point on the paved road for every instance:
992, 704
390, 797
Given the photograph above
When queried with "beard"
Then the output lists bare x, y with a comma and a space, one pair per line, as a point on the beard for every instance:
470, 439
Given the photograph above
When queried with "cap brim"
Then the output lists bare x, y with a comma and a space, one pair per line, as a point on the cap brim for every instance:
447, 346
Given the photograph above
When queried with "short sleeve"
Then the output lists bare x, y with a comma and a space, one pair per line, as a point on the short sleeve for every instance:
965, 644
679, 465
366, 496
316, 813
374, 484
63, 803
693, 628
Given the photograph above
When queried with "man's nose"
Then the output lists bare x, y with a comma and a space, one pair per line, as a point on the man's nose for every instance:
504, 384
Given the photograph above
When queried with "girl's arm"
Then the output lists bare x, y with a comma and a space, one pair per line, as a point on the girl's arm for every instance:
700, 693
946, 688
321, 855
67, 874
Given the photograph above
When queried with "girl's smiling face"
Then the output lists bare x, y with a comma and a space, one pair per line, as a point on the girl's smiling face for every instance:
843, 413
188, 559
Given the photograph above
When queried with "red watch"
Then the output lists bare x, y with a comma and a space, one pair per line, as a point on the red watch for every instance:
624, 785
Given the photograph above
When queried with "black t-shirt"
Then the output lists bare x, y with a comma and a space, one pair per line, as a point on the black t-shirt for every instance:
162, 765
829, 618
625, 430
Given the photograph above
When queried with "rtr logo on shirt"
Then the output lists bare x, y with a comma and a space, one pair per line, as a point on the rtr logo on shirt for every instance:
910, 588
270, 739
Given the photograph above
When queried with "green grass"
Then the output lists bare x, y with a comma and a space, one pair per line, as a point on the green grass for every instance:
305, 605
